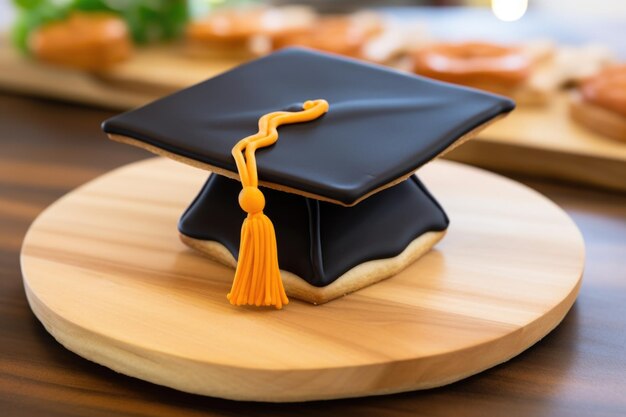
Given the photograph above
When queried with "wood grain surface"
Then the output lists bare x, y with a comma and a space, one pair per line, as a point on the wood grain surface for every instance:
47, 149
106, 274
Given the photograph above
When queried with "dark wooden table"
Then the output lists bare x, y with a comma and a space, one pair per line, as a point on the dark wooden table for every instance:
48, 148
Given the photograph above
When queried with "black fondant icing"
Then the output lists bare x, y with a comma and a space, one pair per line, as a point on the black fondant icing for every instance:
382, 124
319, 241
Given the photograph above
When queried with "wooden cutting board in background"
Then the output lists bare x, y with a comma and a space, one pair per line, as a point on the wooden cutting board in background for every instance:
545, 142
153, 72
540, 141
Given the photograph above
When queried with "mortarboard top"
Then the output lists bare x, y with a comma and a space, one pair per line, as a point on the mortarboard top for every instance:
381, 126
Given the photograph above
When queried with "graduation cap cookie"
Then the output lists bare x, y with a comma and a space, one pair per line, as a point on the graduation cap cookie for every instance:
325, 147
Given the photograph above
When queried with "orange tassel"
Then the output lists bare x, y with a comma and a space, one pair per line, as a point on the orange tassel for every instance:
257, 278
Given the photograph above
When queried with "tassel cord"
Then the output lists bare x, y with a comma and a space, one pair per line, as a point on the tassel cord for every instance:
257, 277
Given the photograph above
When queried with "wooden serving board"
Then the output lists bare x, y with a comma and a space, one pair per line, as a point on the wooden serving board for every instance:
106, 274
540, 141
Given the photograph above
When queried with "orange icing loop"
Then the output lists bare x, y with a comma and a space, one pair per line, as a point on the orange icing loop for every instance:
257, 278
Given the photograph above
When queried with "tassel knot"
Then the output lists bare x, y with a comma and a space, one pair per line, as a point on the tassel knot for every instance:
251, 200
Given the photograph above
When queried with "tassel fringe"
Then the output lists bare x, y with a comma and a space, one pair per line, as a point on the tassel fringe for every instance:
257, 278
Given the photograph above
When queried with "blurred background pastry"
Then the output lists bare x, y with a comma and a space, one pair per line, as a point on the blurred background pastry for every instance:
88, 41
93, 35
502, 69
340, 34
245, 32
576, 63
599, 103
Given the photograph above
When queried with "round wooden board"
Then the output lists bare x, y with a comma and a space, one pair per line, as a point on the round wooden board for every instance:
106, 274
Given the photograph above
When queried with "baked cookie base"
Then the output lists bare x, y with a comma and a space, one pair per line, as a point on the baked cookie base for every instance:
596, 118
361, 276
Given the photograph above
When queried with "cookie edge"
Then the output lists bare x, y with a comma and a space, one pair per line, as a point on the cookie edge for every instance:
358, 277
